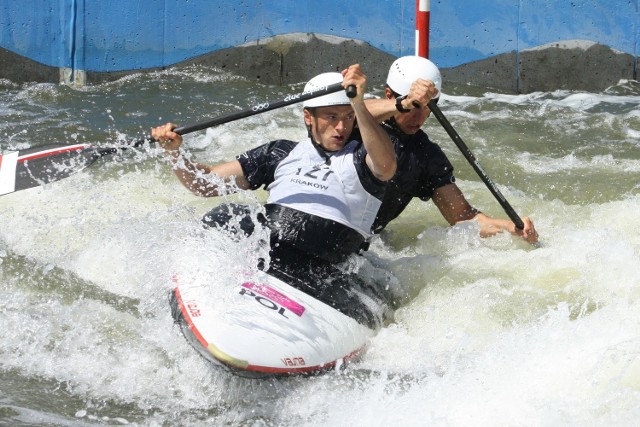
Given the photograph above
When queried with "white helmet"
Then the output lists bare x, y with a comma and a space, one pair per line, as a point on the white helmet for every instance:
320, 82
405, 70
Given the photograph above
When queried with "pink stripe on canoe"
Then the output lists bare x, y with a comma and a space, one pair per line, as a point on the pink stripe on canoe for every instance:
276, 296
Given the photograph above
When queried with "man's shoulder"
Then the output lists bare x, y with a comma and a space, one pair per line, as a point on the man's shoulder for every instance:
283, 144
277, 147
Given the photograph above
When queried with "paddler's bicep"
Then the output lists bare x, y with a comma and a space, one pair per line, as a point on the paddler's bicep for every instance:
232, 171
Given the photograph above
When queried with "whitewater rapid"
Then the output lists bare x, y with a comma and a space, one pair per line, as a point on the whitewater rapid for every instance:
492, 332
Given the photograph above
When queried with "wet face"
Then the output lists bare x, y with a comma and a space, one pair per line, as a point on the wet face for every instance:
412, 121
330, 126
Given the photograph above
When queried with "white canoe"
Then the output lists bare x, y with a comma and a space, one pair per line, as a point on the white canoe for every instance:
266, 327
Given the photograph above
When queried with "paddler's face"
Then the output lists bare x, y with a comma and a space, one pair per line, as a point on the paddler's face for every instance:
412, 121
330, 126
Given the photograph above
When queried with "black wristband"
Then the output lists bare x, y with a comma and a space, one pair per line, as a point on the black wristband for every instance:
399, 106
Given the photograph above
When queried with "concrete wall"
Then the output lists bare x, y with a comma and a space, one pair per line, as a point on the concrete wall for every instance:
492, 43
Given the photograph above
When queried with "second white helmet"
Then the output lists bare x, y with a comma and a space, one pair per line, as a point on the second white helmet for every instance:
321, 81
405, 70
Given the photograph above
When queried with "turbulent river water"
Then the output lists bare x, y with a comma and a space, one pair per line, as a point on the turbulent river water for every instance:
493, 332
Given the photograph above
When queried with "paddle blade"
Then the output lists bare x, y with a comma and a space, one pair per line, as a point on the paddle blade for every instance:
36, 166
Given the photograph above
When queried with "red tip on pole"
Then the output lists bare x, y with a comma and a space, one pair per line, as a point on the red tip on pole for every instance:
423, 10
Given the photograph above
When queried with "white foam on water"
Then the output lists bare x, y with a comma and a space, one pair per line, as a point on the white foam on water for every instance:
493, 331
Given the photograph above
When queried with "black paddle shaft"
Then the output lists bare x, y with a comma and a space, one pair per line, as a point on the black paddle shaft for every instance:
476, 165
263, 107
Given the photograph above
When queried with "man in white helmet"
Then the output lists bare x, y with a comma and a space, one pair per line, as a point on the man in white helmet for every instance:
324, 193
423, 169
